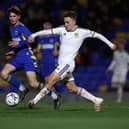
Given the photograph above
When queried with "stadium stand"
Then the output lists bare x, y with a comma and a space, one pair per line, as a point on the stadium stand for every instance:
107, 17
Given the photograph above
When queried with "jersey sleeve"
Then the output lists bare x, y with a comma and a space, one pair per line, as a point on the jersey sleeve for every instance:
41, 33
57, 31
47, 32
92, 34
25, 33
104, 39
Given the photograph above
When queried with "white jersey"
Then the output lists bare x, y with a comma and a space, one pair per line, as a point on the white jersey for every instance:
71, 42
119, 66
120, 61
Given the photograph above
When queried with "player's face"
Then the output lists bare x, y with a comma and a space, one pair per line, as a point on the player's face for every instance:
13, 18
69, 23
47, 25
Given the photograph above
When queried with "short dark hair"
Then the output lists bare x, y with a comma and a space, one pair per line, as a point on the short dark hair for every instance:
71, 14
14, 9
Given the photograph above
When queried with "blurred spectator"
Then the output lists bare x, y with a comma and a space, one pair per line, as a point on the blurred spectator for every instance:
119, 66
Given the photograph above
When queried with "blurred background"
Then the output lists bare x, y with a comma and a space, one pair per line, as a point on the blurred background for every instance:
110, 18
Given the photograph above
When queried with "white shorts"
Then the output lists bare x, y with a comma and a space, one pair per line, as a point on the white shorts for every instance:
119, 77
65, 72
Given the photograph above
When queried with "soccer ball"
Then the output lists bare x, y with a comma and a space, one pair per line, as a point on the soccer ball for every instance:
12, 99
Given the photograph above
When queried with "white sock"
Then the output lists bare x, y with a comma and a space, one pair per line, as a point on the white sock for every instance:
119, 93
54, 95
22, 87
85, 94
41, 94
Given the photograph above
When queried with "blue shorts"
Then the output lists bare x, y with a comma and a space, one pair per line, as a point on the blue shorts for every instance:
24, 62
46, 68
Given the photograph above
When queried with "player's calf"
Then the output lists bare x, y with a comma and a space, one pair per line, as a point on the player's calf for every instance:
57, 102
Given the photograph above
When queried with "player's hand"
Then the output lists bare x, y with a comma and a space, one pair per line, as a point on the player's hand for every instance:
30, 39
13, 43
9, 55
114, 47
55, 53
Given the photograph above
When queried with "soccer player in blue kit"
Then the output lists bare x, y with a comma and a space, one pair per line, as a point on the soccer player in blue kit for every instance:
47, 53
23, 57
48, 47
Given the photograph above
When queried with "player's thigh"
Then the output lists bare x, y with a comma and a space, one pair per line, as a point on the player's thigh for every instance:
8, 68
31, 76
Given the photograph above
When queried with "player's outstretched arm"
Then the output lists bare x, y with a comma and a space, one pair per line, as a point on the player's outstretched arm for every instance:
104, 39
9, 55
40, 33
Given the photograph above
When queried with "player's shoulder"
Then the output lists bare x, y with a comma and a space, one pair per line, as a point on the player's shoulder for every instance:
21, 25
80, 29
58, 28
62, 27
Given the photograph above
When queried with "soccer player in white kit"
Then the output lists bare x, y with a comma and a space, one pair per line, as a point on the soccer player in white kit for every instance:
71, 37
119, 66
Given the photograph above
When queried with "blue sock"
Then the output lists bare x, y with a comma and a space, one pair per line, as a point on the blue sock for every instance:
14, 82
49, 93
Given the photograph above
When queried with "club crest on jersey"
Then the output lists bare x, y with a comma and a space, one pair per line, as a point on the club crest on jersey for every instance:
65, 34
76, 35
16, 32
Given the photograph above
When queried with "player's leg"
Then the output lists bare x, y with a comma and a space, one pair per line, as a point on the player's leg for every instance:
85, 94
5, 74
119, 87
56, 97
54, 77
32, 79
46, 68
59, 73
119, 93
118, 81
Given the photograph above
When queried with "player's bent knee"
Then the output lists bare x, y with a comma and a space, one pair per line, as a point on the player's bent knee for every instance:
52, 80
4, 75
34, 84
72, 88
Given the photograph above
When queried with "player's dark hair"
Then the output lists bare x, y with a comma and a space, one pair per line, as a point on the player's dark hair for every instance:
14, 9
71, 14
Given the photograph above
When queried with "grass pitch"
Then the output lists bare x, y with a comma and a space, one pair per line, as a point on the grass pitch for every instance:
79, 115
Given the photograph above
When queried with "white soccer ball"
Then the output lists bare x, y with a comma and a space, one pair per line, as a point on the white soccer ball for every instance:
12, 99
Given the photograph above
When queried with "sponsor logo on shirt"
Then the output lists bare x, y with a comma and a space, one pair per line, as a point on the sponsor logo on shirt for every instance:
48, 46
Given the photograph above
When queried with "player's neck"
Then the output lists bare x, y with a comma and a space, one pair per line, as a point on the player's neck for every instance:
17, 23
74, 28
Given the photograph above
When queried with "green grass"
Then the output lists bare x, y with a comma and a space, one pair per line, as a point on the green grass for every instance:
78, 115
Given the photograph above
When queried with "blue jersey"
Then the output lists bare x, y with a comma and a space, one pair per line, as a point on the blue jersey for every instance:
48, 60
24, 58
48, 44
